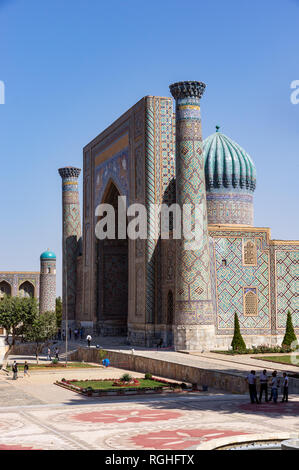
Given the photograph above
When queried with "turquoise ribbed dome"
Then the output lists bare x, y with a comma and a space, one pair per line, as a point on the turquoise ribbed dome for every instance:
48, 255
227, 165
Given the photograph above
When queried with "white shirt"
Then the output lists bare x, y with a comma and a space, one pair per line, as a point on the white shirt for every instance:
263, 378
251, 379
286, 381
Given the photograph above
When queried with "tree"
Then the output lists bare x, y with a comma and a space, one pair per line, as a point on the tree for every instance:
43, 328
58, 311
16, 314
290, 335
238, 343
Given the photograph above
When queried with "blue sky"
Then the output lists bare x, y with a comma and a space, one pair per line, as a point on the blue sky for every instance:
71, 67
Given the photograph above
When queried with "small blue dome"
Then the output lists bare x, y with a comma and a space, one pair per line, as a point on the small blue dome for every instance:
48, 255
227, 165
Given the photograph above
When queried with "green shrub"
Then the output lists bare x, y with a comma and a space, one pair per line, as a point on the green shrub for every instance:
290, 335
238, 343
126, 378
55, 361
148, 376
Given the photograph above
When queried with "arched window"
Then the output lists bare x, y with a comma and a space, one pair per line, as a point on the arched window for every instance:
26, 289
250, 302
170, 308
5, 289
249, 254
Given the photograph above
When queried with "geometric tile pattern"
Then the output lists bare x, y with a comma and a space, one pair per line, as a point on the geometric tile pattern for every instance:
193, 283
115, 169
287, 285
71, 235
159, 173
232, 278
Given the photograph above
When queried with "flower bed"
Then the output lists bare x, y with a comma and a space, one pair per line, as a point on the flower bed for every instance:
108, 387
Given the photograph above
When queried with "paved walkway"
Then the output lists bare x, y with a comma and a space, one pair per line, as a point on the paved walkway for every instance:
48, 417
240, 364
36, 414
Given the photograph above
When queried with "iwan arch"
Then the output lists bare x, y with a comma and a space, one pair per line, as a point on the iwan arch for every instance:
152, 289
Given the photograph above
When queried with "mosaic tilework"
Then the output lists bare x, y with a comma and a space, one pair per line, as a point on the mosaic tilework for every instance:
287, 286
159, 172
47, 300
71, 235
232, 278
230, 208
16, 279
115, 169
193, 284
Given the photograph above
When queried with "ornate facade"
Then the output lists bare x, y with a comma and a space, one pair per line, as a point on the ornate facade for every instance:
155, 288
39, 285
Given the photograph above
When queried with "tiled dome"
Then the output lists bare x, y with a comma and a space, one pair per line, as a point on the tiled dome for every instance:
227, 165
48, 255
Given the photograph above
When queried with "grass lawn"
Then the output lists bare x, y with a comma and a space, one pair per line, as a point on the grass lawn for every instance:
278, 359
60, 365
108, 384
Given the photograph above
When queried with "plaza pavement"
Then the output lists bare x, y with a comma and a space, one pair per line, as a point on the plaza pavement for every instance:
36, 414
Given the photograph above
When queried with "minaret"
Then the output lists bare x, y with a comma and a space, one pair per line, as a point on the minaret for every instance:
71, 224
194, 325
47, 289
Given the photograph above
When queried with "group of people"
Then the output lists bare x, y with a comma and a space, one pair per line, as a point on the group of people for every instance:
15, 370
49, 354
273, 381
77, 333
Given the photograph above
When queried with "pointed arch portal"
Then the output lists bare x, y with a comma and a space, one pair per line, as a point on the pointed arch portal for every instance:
5, 289
112, 276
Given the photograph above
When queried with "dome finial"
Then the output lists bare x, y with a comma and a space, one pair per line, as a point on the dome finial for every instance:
217, 128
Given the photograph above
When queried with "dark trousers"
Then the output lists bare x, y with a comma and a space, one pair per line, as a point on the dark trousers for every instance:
252, 393
285, 394
264, 388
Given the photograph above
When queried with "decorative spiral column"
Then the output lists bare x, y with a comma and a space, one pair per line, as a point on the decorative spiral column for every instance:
47, 283
71, 224
194, 322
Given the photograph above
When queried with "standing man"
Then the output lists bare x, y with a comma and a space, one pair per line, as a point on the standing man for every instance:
15, 370
264, 385
26, 369
49, 354
285, 385
88, 338
251, 380
57, 354
274, 387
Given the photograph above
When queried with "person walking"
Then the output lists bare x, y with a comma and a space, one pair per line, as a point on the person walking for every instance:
285, 385
274, 387
70, 333
263, 385
88, 338
26, 369
251, 380
15, 370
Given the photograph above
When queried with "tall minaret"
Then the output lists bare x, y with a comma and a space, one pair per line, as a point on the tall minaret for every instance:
47, 283
194, 325
71, 224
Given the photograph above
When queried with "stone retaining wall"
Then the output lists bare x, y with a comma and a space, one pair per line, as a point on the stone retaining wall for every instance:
224, 381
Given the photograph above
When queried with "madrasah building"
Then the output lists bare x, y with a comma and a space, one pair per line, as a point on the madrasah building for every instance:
149, 289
